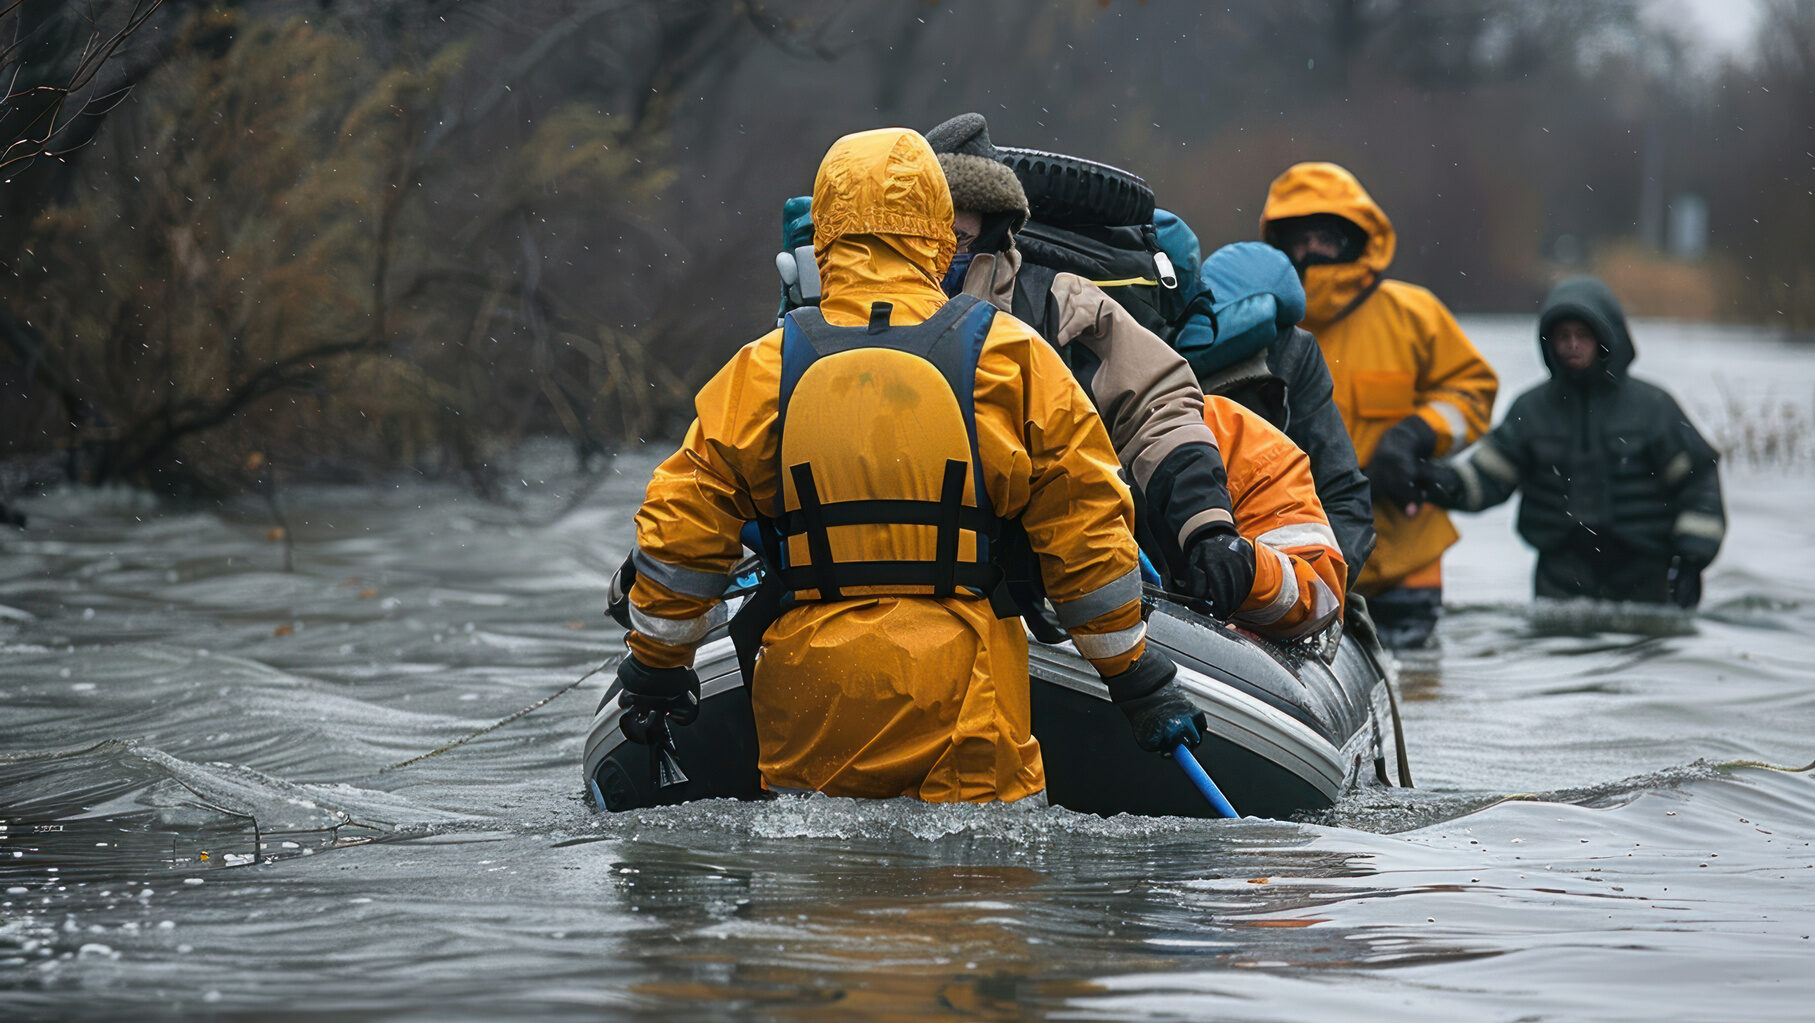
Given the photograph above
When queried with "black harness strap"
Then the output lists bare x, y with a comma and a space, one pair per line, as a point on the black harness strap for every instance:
879, 316
890, 510
896, 574
951, 498
944, 573
819, 543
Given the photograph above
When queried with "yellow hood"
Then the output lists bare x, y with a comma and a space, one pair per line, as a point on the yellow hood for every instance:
1308, 188
882, 226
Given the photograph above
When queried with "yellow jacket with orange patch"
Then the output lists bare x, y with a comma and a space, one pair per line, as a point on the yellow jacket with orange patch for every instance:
1299, 572
888, 693
1394, 351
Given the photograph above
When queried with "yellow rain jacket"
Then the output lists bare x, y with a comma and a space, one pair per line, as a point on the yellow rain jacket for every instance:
891, 694
1299, 571
1394, 351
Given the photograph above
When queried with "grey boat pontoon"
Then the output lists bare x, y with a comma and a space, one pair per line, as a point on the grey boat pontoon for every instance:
1288, 732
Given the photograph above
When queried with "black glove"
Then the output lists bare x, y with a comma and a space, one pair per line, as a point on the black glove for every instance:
653, 696
1685, 582
617, 592
1441, 483
1160, 713
1392, 472
1219, 568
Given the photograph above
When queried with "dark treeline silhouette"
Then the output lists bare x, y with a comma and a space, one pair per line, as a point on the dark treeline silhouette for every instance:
344, 237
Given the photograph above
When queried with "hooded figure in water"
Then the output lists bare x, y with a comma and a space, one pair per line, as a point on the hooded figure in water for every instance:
887, 442
1407, 381
1622, 494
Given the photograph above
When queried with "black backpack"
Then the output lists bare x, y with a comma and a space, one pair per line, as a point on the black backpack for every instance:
1096, 221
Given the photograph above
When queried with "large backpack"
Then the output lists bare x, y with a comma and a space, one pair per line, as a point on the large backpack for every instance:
1100, 222
1096, 221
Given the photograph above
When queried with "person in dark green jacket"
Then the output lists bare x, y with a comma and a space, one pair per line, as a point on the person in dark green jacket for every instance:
1621, 493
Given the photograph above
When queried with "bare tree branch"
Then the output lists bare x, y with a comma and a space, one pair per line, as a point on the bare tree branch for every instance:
25, 143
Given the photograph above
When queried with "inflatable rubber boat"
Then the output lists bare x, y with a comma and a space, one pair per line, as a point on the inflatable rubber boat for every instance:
1289, 730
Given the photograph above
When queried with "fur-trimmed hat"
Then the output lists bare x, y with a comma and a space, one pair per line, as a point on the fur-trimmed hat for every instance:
979, 180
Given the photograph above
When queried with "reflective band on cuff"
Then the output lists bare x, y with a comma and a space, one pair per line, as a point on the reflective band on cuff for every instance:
688, 582
1202, 519
1472, 498
1279, 605
1453, 420
1104, 645
1300, 534
1702, 525
1679, 469
1099, 602
1323, 608
1489, 460
685, 632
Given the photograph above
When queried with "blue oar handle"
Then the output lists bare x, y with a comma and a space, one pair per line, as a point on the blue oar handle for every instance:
1201, 779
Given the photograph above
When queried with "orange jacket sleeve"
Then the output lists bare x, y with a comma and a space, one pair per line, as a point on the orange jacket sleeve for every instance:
1299, 572
1455, 386
697, 503
1069, 495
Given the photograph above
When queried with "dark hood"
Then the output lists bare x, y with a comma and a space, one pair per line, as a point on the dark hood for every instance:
1588, 300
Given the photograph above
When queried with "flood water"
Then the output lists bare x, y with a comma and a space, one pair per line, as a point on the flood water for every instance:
199, 820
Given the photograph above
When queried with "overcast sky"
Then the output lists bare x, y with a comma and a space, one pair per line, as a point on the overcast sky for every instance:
1725, 25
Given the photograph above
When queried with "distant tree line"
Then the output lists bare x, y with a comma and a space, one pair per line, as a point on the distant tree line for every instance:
342, 238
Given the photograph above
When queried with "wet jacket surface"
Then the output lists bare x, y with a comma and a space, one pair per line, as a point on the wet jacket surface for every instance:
1615, 479
883, 695
1145, 391
1299, 576
1393, 350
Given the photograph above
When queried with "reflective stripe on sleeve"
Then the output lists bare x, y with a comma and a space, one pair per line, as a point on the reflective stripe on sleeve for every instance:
1471, 483
683, 632
1202, 519
1300, 534
1702, 525
1103, 645
1489, 460
688, 582
1324, 607
1281, 603
1099, 602
1453, 420
1679, 469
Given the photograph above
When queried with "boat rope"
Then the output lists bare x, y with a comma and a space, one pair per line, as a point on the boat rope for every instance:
610, 662
1405, 763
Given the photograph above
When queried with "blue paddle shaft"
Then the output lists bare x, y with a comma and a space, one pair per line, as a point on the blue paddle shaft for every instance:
1201, 779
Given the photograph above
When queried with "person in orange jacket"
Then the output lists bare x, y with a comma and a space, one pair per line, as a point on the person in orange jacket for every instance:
1407, 381
1299, 574
888, 441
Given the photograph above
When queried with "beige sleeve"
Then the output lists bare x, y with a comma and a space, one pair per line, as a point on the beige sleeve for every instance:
1145, 391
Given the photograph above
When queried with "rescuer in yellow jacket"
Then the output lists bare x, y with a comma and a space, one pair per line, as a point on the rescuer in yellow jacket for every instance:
1299, 570
887, 442
1407, 381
